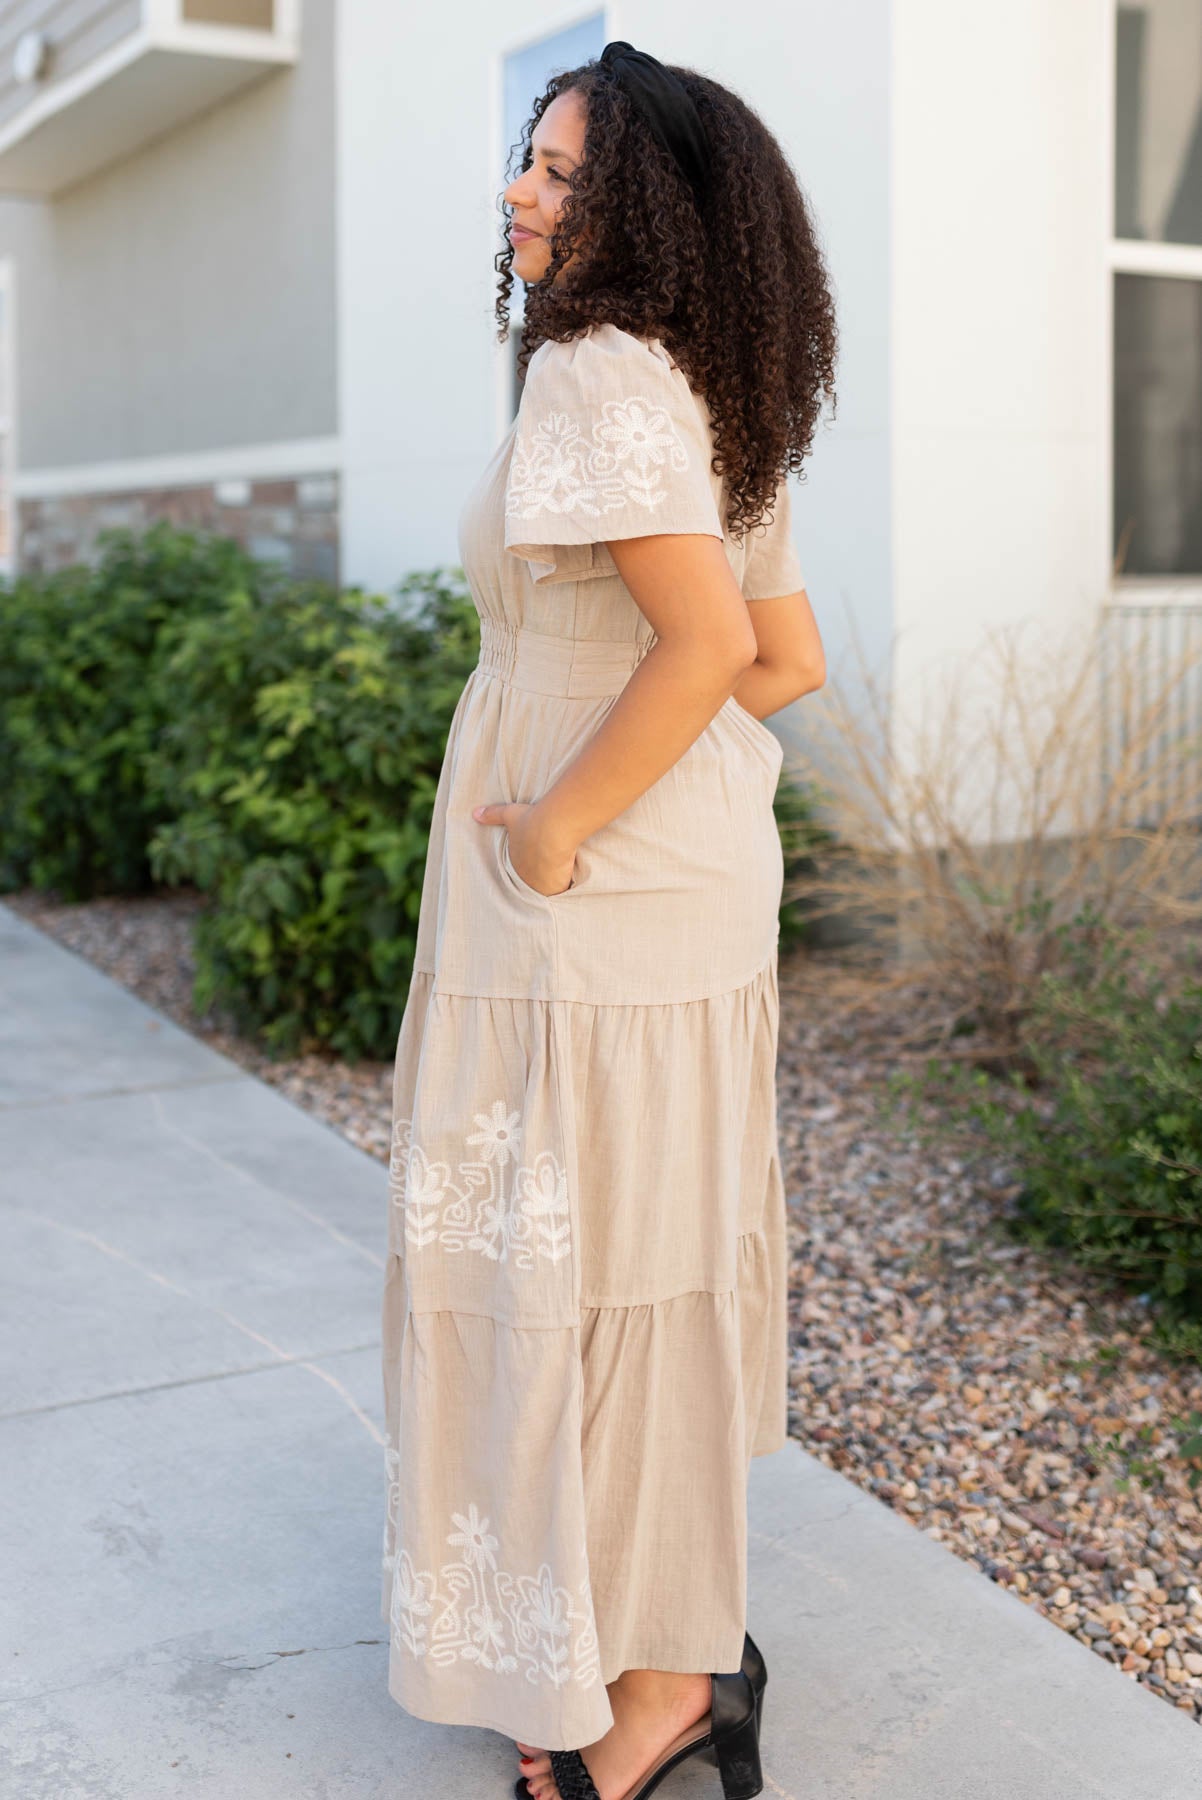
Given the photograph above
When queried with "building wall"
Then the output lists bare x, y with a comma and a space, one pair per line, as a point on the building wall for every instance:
419, 376
293, 520
820, 77
1001, 373
181, 303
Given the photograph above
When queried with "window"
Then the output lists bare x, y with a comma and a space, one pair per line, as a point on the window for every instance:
524, 75
1156, 259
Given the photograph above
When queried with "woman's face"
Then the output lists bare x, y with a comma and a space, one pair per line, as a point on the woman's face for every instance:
537, 196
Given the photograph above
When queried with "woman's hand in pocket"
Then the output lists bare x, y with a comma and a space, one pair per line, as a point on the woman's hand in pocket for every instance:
542, 866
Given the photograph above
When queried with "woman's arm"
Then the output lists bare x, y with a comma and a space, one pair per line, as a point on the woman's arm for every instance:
683, 584
789, 657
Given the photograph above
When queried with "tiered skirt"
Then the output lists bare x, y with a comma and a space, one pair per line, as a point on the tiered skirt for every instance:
585, 1331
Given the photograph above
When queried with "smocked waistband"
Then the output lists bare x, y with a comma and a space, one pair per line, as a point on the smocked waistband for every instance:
575, 667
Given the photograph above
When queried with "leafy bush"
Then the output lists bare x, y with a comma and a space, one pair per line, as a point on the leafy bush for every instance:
77, 717
800, 836
1105, 1131
298, 778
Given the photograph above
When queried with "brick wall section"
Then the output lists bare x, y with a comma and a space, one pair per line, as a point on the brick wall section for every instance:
294, 521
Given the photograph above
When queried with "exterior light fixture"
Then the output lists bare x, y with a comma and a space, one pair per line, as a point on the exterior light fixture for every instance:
29, 56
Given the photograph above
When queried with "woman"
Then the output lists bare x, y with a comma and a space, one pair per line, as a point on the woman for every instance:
585, 1305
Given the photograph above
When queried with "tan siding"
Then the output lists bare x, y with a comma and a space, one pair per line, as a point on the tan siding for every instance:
250, 15
183, 298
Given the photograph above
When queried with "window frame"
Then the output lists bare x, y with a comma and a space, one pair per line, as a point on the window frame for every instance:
1132, 256
596, 16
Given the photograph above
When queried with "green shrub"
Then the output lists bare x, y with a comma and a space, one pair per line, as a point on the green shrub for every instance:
800, 835
298, 778
77, 717
1104, 1130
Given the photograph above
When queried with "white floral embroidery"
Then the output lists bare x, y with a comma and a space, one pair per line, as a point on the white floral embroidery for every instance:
521, 1208
500, 1133
474, 1611
554, 469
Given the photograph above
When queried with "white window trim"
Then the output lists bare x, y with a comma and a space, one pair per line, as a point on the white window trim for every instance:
550, 25
1131, 256
1135, 256
188, 468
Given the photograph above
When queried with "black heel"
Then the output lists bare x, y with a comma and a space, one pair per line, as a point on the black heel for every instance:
733, 1736
738, 1751
756, 1671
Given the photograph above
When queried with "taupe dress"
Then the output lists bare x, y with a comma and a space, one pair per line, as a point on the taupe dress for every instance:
584, 1312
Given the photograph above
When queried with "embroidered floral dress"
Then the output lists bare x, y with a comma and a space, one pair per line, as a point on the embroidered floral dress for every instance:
584, 1311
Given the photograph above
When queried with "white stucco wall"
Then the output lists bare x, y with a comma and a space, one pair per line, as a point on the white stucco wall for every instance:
819, 75
1001, 185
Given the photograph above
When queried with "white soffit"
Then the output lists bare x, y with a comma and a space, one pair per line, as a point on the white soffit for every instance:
162, 73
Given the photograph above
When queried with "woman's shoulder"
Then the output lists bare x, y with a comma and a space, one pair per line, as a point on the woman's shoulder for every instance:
603, 354
610, 443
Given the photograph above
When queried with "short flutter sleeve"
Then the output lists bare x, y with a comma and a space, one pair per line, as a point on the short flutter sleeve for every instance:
610, 442
772, 568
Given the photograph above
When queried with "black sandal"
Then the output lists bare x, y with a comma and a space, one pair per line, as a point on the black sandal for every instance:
731, 1728
756, 1671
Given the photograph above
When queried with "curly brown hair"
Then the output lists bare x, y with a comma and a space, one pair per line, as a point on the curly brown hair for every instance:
739, 293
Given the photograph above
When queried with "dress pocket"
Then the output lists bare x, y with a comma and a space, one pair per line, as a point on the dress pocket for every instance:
524, 887
765, 741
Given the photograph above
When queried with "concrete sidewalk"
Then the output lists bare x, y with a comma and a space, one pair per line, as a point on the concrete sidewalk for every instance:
191, 1486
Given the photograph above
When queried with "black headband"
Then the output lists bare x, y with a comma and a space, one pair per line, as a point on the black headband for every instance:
666, 105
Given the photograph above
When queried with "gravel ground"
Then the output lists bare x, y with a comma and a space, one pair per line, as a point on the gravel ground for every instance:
1007, 1404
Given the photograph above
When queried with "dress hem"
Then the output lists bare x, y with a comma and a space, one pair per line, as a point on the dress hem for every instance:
459, 1718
